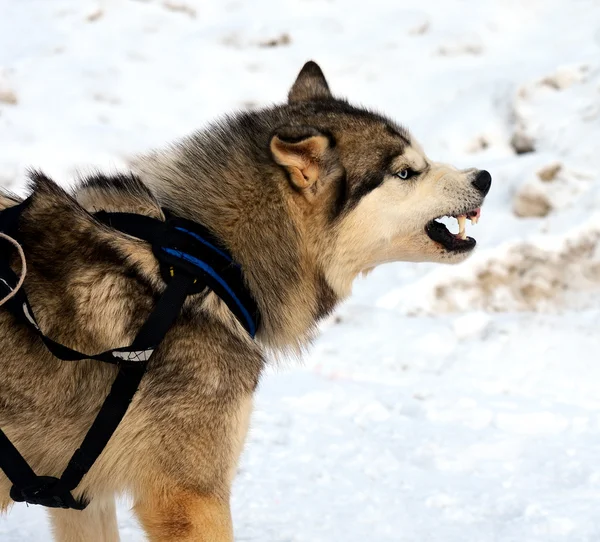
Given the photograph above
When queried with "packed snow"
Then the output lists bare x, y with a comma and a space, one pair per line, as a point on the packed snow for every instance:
440, 403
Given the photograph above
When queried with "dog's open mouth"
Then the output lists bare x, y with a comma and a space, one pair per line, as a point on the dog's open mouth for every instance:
455, 242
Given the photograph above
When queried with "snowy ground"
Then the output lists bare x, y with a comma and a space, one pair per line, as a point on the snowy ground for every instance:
440, 404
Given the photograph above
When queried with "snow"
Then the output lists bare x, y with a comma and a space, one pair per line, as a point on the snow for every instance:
439, 403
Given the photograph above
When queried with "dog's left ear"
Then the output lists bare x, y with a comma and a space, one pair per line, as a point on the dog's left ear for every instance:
310, 85
303, 151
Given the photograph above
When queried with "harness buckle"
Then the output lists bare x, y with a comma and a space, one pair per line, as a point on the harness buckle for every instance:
169, 249
43, 493
172, 273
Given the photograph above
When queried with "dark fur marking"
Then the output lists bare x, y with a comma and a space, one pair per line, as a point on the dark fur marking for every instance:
340, 106
119, 181
341, 197
326, 298
402, 134
296, 138
363, 187
390, 159
360, 188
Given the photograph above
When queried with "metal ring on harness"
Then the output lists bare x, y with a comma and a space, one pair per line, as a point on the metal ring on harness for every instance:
13, 291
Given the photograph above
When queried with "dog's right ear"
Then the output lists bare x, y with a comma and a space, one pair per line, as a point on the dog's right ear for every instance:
302, 151
310, 85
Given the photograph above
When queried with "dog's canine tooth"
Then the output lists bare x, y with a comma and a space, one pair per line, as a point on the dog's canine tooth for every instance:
462, 220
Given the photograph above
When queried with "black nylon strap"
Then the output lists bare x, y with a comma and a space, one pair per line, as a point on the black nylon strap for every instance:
9, 217
17, 470
125, 385
20, 308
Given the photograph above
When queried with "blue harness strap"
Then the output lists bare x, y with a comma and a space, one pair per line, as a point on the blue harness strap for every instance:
191, 261
181, 245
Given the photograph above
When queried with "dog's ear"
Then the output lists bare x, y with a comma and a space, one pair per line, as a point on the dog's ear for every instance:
303, 152
310, 85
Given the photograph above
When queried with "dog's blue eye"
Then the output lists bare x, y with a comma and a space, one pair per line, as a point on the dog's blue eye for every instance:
404, 174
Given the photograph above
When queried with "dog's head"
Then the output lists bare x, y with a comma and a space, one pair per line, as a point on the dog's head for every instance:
369, 184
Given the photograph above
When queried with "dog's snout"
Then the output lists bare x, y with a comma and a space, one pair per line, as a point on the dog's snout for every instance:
483, 181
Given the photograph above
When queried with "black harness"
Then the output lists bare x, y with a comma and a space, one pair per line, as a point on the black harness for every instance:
191, 259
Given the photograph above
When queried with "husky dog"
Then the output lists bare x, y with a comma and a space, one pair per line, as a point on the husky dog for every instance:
306, 196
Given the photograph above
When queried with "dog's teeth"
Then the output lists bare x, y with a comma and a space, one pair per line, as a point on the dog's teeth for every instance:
473, 216
462, 220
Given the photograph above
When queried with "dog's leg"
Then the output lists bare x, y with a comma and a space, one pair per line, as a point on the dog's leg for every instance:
97, 523
184, 516
167, 506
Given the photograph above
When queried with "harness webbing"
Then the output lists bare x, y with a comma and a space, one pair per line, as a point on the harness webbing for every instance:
191, 260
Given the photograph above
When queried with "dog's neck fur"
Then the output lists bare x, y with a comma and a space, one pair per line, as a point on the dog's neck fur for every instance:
239, 196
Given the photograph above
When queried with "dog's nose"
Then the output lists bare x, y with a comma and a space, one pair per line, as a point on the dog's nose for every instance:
483, 181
